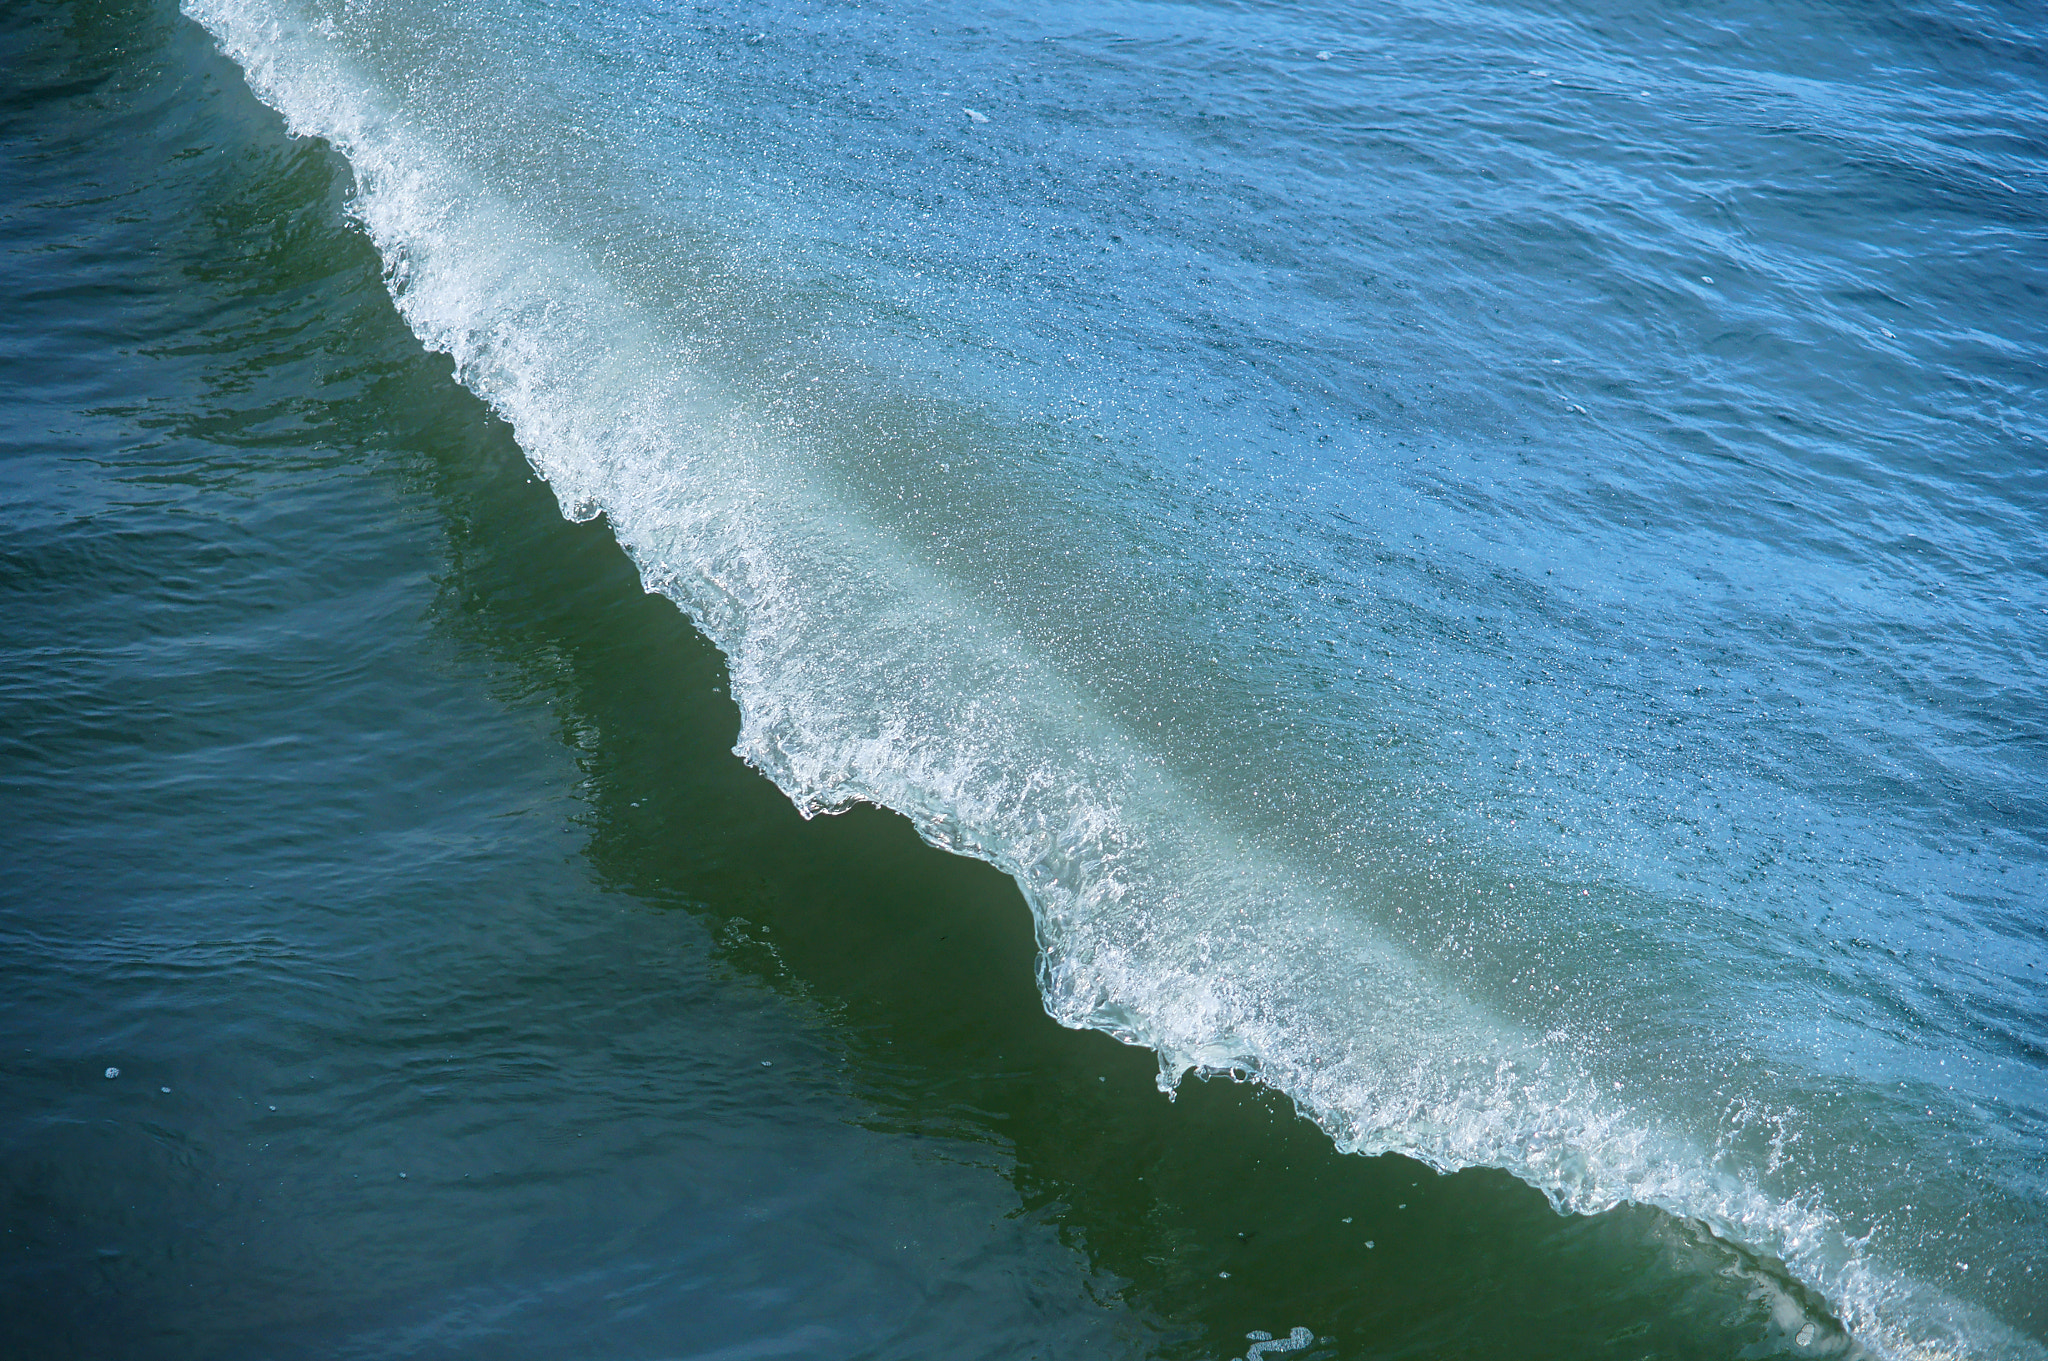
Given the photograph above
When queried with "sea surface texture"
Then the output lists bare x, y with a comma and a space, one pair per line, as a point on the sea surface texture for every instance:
1483, 567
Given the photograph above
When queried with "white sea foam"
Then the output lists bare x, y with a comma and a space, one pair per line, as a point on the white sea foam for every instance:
863, 675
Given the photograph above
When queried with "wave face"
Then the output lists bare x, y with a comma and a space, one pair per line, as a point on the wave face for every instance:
1481, 565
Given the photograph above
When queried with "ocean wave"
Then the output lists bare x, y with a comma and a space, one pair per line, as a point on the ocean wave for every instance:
865, 674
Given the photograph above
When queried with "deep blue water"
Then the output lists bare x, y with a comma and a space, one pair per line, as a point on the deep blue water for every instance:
1480, 566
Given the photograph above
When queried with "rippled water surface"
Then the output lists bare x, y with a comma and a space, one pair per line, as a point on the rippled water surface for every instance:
1478, 566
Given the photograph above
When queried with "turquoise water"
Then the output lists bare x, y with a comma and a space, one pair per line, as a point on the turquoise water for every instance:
1479, 568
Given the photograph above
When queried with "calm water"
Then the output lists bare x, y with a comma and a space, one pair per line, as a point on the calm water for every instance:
1477, 569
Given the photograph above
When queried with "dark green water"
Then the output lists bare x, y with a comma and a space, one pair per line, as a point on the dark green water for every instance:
469, 998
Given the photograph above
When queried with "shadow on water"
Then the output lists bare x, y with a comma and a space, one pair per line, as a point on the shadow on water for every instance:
1214, 1209
1217, 1208
1212, 1215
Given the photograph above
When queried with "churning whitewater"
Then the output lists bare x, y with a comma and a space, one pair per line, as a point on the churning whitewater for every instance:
1358, 555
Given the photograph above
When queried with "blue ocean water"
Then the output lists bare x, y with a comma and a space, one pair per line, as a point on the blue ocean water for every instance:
1480, 565
359, 989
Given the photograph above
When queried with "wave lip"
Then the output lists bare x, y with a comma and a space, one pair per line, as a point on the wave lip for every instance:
863, 675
